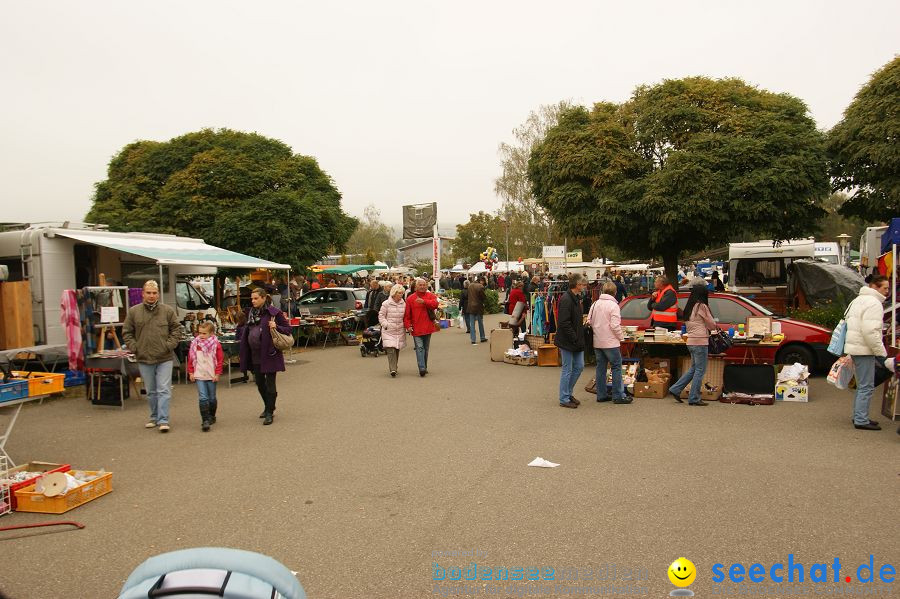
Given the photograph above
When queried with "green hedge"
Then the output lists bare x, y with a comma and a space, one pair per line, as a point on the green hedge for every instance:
827, 314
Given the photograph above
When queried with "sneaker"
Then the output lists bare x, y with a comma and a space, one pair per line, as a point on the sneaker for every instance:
393, 373
163, 428
867, 427
623, 400
567, 404
870, 421
473, 343
422, 372
150, 424
205, 426
268, 420
484, 340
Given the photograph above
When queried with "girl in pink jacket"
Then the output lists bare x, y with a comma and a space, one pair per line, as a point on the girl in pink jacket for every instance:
606, 324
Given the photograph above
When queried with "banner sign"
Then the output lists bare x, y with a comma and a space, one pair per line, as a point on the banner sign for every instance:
419, 220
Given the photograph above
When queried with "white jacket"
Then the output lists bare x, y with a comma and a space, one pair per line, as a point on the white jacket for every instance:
865, 317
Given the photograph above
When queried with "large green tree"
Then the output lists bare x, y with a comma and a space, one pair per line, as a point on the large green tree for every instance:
864, 148
473, 237
240, 191
681, 165
373, 237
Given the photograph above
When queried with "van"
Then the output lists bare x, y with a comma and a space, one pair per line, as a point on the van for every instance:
829, 251
759, 269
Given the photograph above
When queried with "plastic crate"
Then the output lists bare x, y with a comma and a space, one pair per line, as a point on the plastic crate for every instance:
16, 389
44, 467
30, 501
74, 378
43, 383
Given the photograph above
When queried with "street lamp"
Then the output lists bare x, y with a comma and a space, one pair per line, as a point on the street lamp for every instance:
844, 240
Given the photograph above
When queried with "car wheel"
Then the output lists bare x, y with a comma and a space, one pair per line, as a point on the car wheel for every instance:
796, 353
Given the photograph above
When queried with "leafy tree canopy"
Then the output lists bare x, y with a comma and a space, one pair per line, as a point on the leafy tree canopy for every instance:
864, 148
373, 238
473, 237
681, 165
241, 191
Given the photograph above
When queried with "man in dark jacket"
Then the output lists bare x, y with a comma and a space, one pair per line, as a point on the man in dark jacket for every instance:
475, 309
570, 340
369, 303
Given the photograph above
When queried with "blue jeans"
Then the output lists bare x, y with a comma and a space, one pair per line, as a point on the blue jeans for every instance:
158, 383
694, 374
612, 356
421, 344
572, 366
864, 367
207, 391
473, 318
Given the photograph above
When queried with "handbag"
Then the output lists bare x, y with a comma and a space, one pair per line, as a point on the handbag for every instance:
589, 331
719, 343
841, 372
280, 340
839, 336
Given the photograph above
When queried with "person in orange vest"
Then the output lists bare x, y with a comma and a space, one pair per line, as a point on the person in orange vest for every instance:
663, 305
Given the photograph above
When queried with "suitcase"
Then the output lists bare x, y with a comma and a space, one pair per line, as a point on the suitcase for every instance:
751, 379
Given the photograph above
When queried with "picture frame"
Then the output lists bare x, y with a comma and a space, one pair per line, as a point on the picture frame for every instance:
759, 326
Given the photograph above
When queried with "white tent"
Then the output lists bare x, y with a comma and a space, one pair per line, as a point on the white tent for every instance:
509, 267
477, 269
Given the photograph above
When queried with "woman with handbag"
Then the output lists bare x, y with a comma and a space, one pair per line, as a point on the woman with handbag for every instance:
393, 333
258, 353
698, 321
605, 320
863, 343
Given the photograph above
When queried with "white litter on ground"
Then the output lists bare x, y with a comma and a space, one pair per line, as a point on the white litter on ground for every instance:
542, 463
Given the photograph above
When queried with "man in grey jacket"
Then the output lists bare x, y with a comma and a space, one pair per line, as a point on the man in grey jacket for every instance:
152, 333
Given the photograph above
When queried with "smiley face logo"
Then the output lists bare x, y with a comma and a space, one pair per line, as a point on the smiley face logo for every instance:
682, 572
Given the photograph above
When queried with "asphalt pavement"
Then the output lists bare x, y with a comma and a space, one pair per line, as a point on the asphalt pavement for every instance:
369, 486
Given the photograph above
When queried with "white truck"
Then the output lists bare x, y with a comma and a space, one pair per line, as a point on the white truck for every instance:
59, 256
870, 249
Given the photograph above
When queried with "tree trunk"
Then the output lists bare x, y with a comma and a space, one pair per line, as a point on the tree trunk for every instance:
670, 262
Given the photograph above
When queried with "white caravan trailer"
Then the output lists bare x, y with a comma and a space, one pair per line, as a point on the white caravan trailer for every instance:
60, 256
758, 269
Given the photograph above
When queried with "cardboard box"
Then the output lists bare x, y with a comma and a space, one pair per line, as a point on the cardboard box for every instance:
654, 390
651, 363
501, 340
784, 392
548, 355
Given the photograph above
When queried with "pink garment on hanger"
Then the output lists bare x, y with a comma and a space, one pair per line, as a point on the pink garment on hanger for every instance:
71, 322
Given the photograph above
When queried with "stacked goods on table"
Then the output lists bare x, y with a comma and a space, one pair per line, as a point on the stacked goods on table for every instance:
27, 474
59, 492
659, 377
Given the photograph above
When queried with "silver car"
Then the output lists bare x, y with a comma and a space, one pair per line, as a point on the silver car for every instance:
332, 299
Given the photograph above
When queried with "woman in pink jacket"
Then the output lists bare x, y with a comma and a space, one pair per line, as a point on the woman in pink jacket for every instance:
698, 321
393, 333
606, 324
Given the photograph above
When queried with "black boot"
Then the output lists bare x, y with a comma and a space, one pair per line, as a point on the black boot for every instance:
204, 416
212, 411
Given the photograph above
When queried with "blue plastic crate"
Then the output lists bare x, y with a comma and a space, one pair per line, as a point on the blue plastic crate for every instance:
13, 390
74, 377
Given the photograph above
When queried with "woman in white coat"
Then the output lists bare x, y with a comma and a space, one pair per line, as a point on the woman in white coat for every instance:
393, 333
865, 317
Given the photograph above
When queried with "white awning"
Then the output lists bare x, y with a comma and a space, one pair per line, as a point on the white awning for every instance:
169, 250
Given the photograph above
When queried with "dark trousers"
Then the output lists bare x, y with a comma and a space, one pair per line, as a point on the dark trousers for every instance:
265, 384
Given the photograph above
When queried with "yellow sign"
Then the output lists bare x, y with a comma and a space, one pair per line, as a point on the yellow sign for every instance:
573, 256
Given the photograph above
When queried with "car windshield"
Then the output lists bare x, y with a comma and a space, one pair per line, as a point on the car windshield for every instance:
765, 311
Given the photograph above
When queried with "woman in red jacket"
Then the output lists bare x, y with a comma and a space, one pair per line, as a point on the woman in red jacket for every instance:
516, 295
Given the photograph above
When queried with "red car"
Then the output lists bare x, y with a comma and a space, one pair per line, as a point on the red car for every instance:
804, 342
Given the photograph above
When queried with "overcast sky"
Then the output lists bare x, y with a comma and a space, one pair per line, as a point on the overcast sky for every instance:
400, 102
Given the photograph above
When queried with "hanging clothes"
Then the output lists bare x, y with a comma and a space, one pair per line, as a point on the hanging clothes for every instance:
70, 319
135, 296
538, 316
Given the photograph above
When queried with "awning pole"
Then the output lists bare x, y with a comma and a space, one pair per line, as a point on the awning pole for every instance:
162, 284
893, 295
